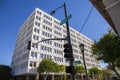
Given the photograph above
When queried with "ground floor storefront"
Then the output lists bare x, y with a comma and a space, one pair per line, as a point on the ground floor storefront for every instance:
49, 77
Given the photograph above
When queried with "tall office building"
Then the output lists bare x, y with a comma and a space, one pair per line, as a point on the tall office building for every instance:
37, 27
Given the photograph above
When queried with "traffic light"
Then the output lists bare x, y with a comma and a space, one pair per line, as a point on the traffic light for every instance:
68, 51
29, 45
69, 69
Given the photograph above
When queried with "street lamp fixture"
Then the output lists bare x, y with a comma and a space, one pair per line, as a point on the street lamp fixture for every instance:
81, 47
82, 50
53, 12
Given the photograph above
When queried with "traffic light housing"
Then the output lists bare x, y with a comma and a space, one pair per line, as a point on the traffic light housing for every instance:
69, 69
29, 45
68, 51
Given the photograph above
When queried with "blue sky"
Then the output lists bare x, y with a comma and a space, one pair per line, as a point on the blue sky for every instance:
13, 13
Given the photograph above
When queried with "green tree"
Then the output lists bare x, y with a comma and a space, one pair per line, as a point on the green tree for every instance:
60, 68
106, 74
5, 72
95, 72
79, 69
46, 66
108, 50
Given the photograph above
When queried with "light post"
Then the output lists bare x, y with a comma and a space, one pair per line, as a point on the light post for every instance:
68, 39
82, 50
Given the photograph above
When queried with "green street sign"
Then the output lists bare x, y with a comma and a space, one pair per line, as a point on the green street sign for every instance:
77, 62
65, 20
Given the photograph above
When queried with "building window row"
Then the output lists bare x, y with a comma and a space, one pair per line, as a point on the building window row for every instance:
58, 52
38, 12
47, 28
24, 65
31, 19
57, 45
64, 31
32, 64
73, 40
45, 56
47, 42
75, 51
58, 33
47, 17
76, 56
46, 34
56, 27
56, 38
58, 59
36, 37
72, 35
37, 23
56, 22
36, 30
47, 22
79, 38
45, 48
72, 31
35, 46
25, 56
38, 18
33, 54
74, 45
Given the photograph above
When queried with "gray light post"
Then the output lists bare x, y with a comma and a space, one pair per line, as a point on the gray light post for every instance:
68, 38
82, 50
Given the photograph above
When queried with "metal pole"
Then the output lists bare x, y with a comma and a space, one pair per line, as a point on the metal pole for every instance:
69, 41
84, 64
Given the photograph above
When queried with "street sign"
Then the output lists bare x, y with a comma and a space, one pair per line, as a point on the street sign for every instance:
77, 62
65, 20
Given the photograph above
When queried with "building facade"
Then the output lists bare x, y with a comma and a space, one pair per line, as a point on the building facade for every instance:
37, 27
110, 10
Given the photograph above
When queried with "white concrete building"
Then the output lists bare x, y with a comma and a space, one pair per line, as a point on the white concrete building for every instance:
41, 25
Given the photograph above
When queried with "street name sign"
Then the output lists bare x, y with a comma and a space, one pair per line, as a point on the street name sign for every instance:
77, 62
65, 20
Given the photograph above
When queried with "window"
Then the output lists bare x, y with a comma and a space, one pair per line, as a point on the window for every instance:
38, 12
35, 46
58, 52
36, 30
36, 37
47, 34
38, 18
34, 54
45, 48
47, 17
37, 24
58, 59
32, 64
45, 56
47, 22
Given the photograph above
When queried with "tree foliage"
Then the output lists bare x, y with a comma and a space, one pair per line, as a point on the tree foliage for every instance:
79, 69
5, 72
108, 49
95, 71
60, 68
106, 72
47, 66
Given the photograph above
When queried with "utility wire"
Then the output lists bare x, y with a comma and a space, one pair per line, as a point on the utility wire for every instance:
86, 19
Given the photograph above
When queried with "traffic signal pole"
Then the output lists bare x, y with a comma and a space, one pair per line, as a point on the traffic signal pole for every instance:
69, 42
